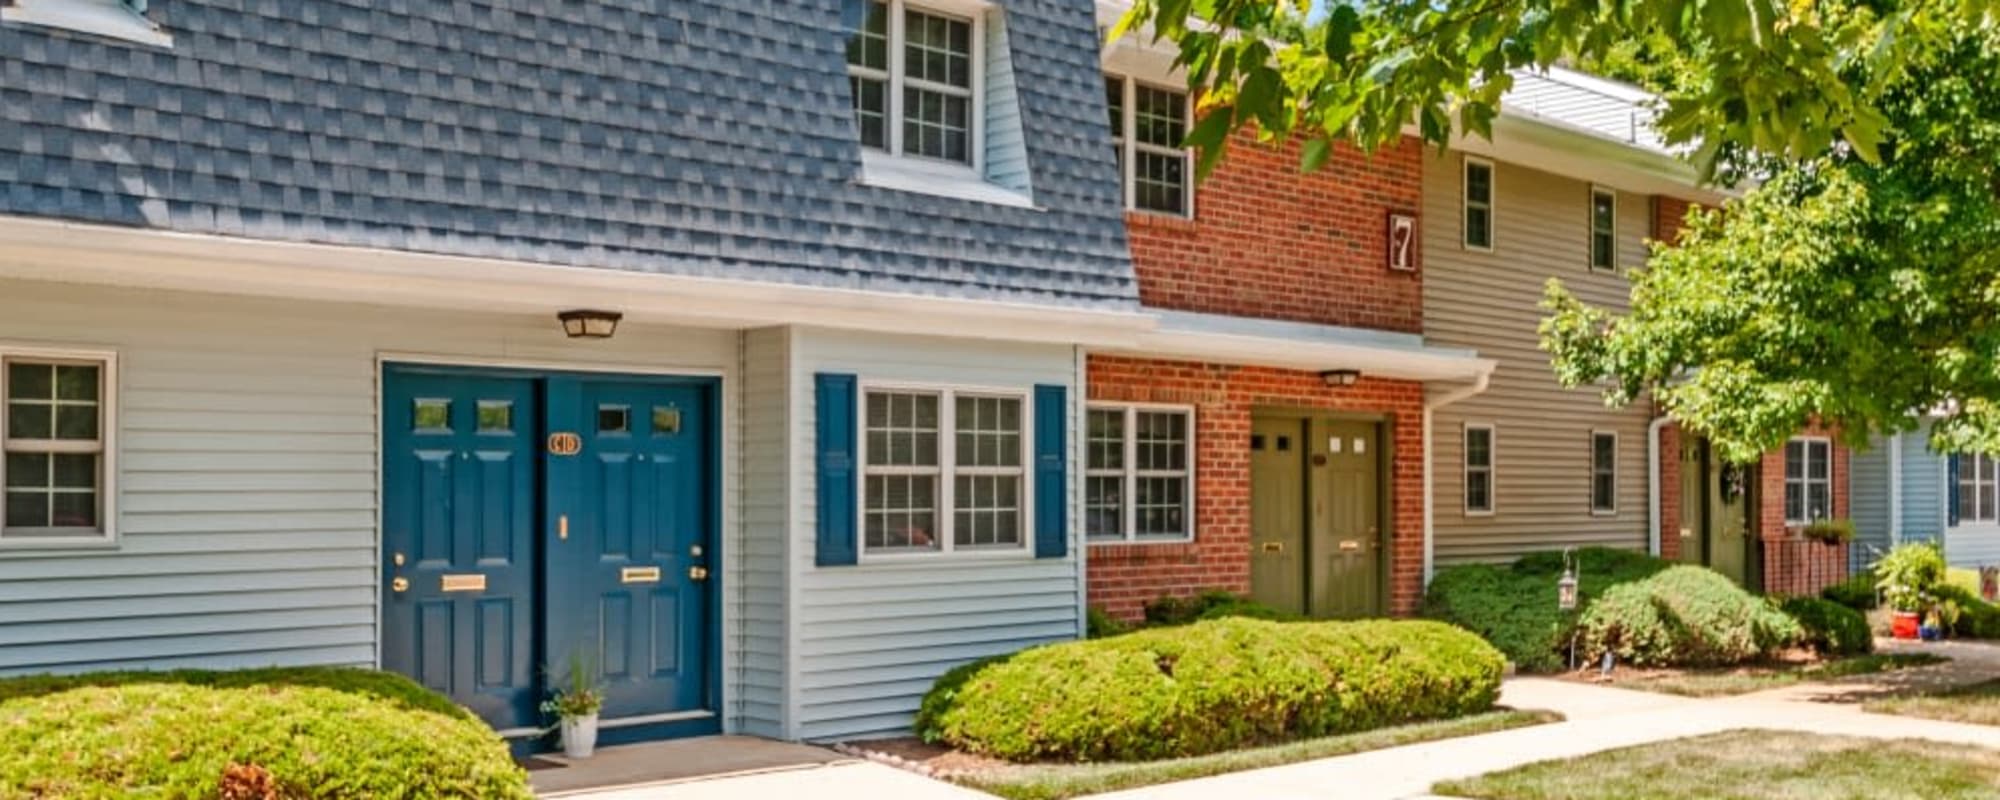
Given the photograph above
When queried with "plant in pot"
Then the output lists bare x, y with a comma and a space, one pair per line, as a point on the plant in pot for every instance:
1908, 577
575, 708
1829, 531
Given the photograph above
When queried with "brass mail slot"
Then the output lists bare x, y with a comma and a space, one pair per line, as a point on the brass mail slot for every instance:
474, 582
639, 575
1274, 547
1349, 545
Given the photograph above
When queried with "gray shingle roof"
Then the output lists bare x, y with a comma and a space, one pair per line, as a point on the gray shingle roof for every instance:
694, 137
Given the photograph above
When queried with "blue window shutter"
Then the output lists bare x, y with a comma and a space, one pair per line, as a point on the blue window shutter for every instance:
1051, 472
838, 491
1951, 489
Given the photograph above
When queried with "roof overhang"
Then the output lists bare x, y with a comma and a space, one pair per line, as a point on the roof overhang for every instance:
1550, 146
1185, 336
55, 250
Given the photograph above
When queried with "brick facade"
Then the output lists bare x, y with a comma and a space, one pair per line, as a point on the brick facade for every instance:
1123, 577
1270, 243
1790, 565
1670, 492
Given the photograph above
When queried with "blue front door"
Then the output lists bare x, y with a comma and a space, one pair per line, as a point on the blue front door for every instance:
535, 521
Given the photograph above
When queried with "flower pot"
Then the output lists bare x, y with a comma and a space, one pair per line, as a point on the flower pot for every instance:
579, 736
1929, 633
1905, 624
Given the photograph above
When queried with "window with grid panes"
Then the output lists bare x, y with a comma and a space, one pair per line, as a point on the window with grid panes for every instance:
911, 71
1147, 132
940, 482
1139, 473
1808, 480
1604, 473
55, 447
1976, 489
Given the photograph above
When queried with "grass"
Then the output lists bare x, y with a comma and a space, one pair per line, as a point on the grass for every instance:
1752, 765
1744, 680
1057, 781
1978, 704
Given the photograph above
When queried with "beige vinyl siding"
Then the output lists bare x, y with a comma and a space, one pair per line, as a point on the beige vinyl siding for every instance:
1489, 301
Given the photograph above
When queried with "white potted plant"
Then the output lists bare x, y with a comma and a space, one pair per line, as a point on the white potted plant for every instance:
575, 708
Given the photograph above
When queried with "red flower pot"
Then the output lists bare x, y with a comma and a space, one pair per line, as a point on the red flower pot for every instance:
1904, 624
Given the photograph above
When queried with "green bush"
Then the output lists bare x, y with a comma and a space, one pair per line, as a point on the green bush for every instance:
1209, 686
1212, 604
1830, 628
1684, 616
1513, 606
1977, 619
289, 733
1858, 592
1910, 575
1098, 624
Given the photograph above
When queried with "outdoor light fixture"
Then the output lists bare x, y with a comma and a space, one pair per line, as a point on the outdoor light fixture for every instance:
1340, 377
1566, 587
588, 324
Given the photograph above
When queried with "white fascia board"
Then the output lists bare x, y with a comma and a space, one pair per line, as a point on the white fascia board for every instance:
1185, 336
54, 250
1550, 146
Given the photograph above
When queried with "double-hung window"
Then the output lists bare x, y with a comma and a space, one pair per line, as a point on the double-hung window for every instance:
1148, 125
1808, 480
1478, 215
943, 470
1139, 473
1603, 228
1603, 472
915, 77
57, 470
1478, 469
1976, 492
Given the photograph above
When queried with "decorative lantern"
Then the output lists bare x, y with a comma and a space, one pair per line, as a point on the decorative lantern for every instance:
589, 324
1566, 587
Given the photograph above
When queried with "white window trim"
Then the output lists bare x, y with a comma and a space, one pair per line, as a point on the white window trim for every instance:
1590, 225
1130, 473
946, 471
974, 13
1129, 146
1492, 469
1806, 480
114, 19
1465, 204
107, 403
1992, 517
1595, 511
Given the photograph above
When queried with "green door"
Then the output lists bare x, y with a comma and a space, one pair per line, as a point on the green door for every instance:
1277, 513
1346, 532
1729, 520
1694, 502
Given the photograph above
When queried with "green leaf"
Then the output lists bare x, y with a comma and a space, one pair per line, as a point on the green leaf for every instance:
1342, 23
1314, 153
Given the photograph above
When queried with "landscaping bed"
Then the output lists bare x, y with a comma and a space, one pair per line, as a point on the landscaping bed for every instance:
1055, 781
1978, 704
1752, 765
1787, 669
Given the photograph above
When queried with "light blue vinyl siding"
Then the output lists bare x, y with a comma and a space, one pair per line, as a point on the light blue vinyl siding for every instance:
1868, 501
1923, 488
870, 639
759, 574
1006, 147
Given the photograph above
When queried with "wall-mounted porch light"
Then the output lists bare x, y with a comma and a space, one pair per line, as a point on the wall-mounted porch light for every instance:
1340, 377
589, 324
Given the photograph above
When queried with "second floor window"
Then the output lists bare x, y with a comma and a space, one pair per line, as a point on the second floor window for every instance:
1478, 469
1603, 472
1478, 204
914, 75
1148, 124
1976, 493
1808, 480
1603, 229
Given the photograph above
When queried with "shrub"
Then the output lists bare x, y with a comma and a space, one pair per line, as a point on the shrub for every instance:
1514, 606
1212, 604
1910, 575
1977, 619
1098, 624
1829, 627
1858, 592
1209, 686
1685, 616
290, 733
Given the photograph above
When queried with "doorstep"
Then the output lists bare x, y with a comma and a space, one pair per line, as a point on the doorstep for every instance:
650, 763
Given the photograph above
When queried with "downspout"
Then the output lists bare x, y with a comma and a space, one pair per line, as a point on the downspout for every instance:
1478, 385
1654, 512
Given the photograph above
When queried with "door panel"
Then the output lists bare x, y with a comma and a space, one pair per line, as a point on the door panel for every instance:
1729, 544
1694, 502
1347, 546
1277, 513
459, 486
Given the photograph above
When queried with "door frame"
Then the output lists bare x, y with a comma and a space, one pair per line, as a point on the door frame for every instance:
712, 383
1385, 489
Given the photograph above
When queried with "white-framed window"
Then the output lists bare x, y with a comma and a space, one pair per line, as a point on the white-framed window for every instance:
1478, 217
1148, 126
116, 19
57, 459
1976, 489
1604, 472
1138, 473
916, 73
1808, 480
1603, 228
943, 470
1478, 469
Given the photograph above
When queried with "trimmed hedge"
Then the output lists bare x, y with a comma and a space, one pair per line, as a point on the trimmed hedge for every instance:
1209, 686
267, 733
1514, 605
1212, 604
1977, 619
1858, 592
1829, 627
1685, 616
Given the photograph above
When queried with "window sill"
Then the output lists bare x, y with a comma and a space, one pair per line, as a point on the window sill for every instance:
941, 179
33, 543
107, 18
936, 558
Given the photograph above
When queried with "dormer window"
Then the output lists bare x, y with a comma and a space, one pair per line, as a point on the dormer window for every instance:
915, 73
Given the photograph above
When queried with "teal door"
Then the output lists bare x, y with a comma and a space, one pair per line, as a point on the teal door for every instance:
532, 521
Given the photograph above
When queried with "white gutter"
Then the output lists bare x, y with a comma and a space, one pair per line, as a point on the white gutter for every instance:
1653, 519
1478, 385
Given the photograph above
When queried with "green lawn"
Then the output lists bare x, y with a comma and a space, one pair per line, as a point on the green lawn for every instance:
1978, 704
1753, 765
1056, 781
1743, 680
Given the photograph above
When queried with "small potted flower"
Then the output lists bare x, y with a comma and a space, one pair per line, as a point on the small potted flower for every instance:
575, 708
1908, 576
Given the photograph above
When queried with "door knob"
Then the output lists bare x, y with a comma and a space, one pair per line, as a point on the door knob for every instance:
400, 584
697, 573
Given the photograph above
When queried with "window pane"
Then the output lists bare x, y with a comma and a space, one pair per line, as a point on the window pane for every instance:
1988, 511
1478, 447
1160, 116
1478, 227
988, 511
1162, 440
30, 421
432, 414
1604, 492
1479, 491
1985, 467
1818, 501
1601, 255
1818, 464
1104, 506
614, 419
76, 423
1795, 500
496, 416
1114, 99
902, 429
1604, 452
28, 471
29, 381
1161, 507
936, 125
901, 512
74, 510
1602, 211
27, 509
1479, 184
867, 25
1105, 445
1968, 500
1795, 453
76, 382
871, 111
1160, 182
937, 49
72, 471
989, 431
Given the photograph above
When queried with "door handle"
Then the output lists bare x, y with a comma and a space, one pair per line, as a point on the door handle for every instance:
697, 573
400, 584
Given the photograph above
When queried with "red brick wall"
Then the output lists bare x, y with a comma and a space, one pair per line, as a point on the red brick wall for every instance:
1670, 491
1123, 577
1668, 212
1271, 243
1791, 568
